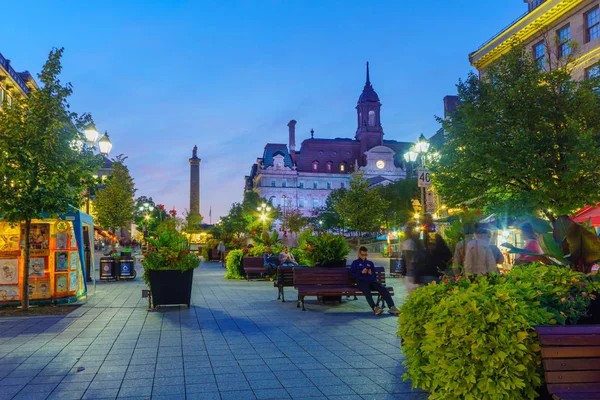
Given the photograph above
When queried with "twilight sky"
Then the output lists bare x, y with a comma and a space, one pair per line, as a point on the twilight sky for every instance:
163, 76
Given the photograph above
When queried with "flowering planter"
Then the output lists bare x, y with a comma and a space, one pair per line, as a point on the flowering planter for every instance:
171, 287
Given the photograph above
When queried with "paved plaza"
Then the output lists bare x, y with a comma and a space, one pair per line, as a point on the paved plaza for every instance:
235, 342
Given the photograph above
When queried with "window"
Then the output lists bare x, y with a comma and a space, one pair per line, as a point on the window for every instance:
301, 185
315, 203
2, 95
284, 183
371, 118
592, 19
315, 165
328, 185
273, 201
301, 203
592, 72
539, 53
315, 185
329, 167
9, 100
343, 185
564, 41
342, 167
273, 182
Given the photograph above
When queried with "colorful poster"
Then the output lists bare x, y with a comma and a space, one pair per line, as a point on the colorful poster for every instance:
73, 260
72, 240
61, 283
61, 241
73, 283
31, 290
9, 237
62, 261
39, 236
9, 293
37, 268
9, 271
43, 288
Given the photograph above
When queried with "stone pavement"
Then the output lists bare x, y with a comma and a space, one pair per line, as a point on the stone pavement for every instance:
235, 342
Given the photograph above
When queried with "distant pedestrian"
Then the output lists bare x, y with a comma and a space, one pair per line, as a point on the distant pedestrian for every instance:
433, 260
479, 258
531, 244
363, 271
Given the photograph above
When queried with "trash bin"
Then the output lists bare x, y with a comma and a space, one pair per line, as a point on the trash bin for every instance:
394, 266
126, 267
107, 268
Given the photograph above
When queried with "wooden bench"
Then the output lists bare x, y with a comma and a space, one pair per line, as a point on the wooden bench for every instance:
254, 266
331, 282
571, 360
285, 278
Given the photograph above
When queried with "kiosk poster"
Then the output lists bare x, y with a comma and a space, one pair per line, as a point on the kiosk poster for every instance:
61, 283
73, 260
43, 288
39, 236
72, 240
9, 271
37, 268
9, 293
31, 289
61, 241
73, 283
62, 261
9, 237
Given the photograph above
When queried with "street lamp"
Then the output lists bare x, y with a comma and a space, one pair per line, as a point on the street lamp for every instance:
419, 149
263, 209
104, 144
146, 207
91, 133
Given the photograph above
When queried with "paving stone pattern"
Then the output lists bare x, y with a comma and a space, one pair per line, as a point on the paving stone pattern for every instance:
235, 342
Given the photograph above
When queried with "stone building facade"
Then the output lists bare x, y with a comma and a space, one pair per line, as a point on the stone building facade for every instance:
13, 83
548, 29
303, 178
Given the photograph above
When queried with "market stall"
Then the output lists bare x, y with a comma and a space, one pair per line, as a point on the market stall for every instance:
57, 257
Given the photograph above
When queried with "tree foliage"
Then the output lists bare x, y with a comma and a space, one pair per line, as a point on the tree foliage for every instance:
43, 167
398, 197
115, 207
522, 140
294, 220
360, 207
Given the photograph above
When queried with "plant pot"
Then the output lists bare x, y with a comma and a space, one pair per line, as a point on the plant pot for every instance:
171, 287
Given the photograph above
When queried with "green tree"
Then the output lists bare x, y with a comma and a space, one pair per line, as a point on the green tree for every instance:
399, 196
360, 206
327, 218
43, 167
115, 207
294, 220
522, 140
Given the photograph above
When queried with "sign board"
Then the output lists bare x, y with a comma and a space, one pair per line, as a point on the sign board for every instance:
424, 178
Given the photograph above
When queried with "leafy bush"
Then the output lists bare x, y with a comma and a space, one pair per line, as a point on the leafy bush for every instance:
318, 249
235, 269
473, 337
168, 251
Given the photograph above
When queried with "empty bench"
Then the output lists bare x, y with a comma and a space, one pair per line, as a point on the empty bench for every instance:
285, 278
331, 282
571, 360
254, 266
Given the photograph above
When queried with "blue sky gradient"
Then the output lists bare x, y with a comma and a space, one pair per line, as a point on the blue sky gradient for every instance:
163, 76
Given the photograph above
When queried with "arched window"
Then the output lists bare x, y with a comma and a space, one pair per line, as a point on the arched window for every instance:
371, 118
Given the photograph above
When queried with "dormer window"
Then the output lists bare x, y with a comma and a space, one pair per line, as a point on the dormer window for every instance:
315, 166
278, 161
328, 166
342, 167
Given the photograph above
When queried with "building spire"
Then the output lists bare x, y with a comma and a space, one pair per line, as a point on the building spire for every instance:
368, 83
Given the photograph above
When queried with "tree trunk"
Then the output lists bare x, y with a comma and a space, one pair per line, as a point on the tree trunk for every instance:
25, 288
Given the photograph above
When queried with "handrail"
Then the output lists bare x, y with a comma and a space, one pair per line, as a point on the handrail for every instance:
14, 74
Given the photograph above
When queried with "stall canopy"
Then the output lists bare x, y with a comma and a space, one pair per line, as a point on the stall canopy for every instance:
588, 213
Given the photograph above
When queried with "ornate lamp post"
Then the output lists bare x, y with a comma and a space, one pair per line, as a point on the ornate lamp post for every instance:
146, 207
104, 146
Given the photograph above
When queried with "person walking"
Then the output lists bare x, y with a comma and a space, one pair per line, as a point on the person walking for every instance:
531, 244
363, 271
479, 258
432, 261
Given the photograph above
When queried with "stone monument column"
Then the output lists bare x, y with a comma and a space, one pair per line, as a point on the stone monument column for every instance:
194, 184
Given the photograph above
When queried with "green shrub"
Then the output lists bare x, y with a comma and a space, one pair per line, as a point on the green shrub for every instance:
473, 338
318, 249
235, 269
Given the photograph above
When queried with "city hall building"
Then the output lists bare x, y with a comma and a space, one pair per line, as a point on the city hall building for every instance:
304, 177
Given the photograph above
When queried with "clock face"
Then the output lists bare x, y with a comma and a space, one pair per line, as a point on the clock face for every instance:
380, 164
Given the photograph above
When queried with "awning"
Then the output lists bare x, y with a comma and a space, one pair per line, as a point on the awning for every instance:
588, 213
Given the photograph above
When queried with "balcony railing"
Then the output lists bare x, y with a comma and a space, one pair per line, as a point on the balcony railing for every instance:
11, 71
500, 32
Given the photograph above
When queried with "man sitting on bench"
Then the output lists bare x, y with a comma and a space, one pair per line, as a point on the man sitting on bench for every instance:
363, 271
270, 260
